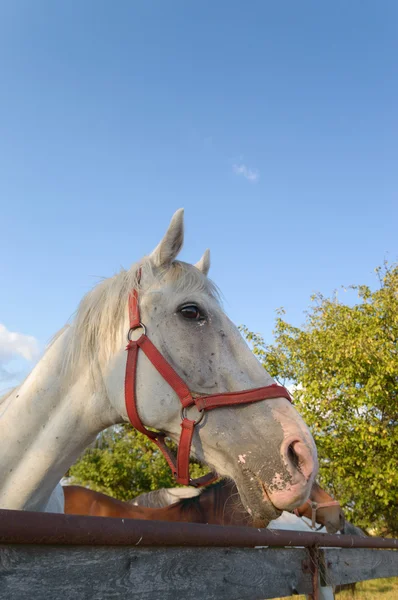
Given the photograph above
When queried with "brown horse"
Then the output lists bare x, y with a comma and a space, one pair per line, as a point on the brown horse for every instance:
322, 509
218, 504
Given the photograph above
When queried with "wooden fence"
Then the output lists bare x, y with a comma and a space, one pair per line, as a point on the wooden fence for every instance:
61, 557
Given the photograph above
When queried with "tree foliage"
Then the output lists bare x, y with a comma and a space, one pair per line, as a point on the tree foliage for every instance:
124, 463
344, 364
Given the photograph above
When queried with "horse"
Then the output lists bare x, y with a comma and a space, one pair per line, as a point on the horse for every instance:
217, 504
186, 373
320, 511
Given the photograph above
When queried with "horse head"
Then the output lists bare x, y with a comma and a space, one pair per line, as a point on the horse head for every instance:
321, 508
263, 445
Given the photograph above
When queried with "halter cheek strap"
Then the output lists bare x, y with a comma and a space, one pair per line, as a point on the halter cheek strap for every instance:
180, 464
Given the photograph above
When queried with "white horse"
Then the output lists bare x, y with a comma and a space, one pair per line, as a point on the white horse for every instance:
77, 390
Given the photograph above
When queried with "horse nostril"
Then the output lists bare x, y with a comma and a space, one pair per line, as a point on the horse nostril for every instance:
299, 458
292, 457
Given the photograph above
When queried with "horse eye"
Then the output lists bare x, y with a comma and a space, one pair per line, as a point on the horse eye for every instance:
191, 311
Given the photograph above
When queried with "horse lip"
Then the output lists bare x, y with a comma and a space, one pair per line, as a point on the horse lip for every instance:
265, 492
267, 497
262, 487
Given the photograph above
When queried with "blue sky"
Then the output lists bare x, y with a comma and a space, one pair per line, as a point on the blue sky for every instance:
274, 124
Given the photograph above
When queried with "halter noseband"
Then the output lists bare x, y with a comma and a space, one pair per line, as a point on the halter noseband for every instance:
180, 464
314, 507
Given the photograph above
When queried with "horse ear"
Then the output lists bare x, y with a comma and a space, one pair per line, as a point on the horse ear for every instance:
168, 248
204, 263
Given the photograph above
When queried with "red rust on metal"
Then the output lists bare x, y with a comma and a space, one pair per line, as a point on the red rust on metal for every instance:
314, 568
23, 527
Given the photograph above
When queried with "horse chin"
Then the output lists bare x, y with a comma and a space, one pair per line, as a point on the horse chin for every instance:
335, 525
331, 527
255, 499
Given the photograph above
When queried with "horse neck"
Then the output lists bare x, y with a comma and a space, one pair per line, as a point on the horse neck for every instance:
188, 510
44, 427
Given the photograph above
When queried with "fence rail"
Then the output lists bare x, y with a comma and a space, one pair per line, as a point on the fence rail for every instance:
62, 557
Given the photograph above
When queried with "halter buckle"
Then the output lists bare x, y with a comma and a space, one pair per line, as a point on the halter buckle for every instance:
132, 330
184, 415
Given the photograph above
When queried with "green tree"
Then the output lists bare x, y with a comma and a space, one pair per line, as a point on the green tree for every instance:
124, 463
344, 364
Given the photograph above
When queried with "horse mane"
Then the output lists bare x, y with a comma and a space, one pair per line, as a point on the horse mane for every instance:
218, 501
192, 501
97, 326
164, 497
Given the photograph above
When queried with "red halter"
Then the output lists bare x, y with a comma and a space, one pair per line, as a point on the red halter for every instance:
180, 464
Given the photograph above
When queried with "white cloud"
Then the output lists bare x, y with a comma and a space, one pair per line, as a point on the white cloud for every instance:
14, 345
251, 175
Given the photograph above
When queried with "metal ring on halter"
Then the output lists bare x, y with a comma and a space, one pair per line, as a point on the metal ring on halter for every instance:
184, 415
141, 325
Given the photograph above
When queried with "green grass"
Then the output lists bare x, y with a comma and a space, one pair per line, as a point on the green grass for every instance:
376, 589
385, 589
